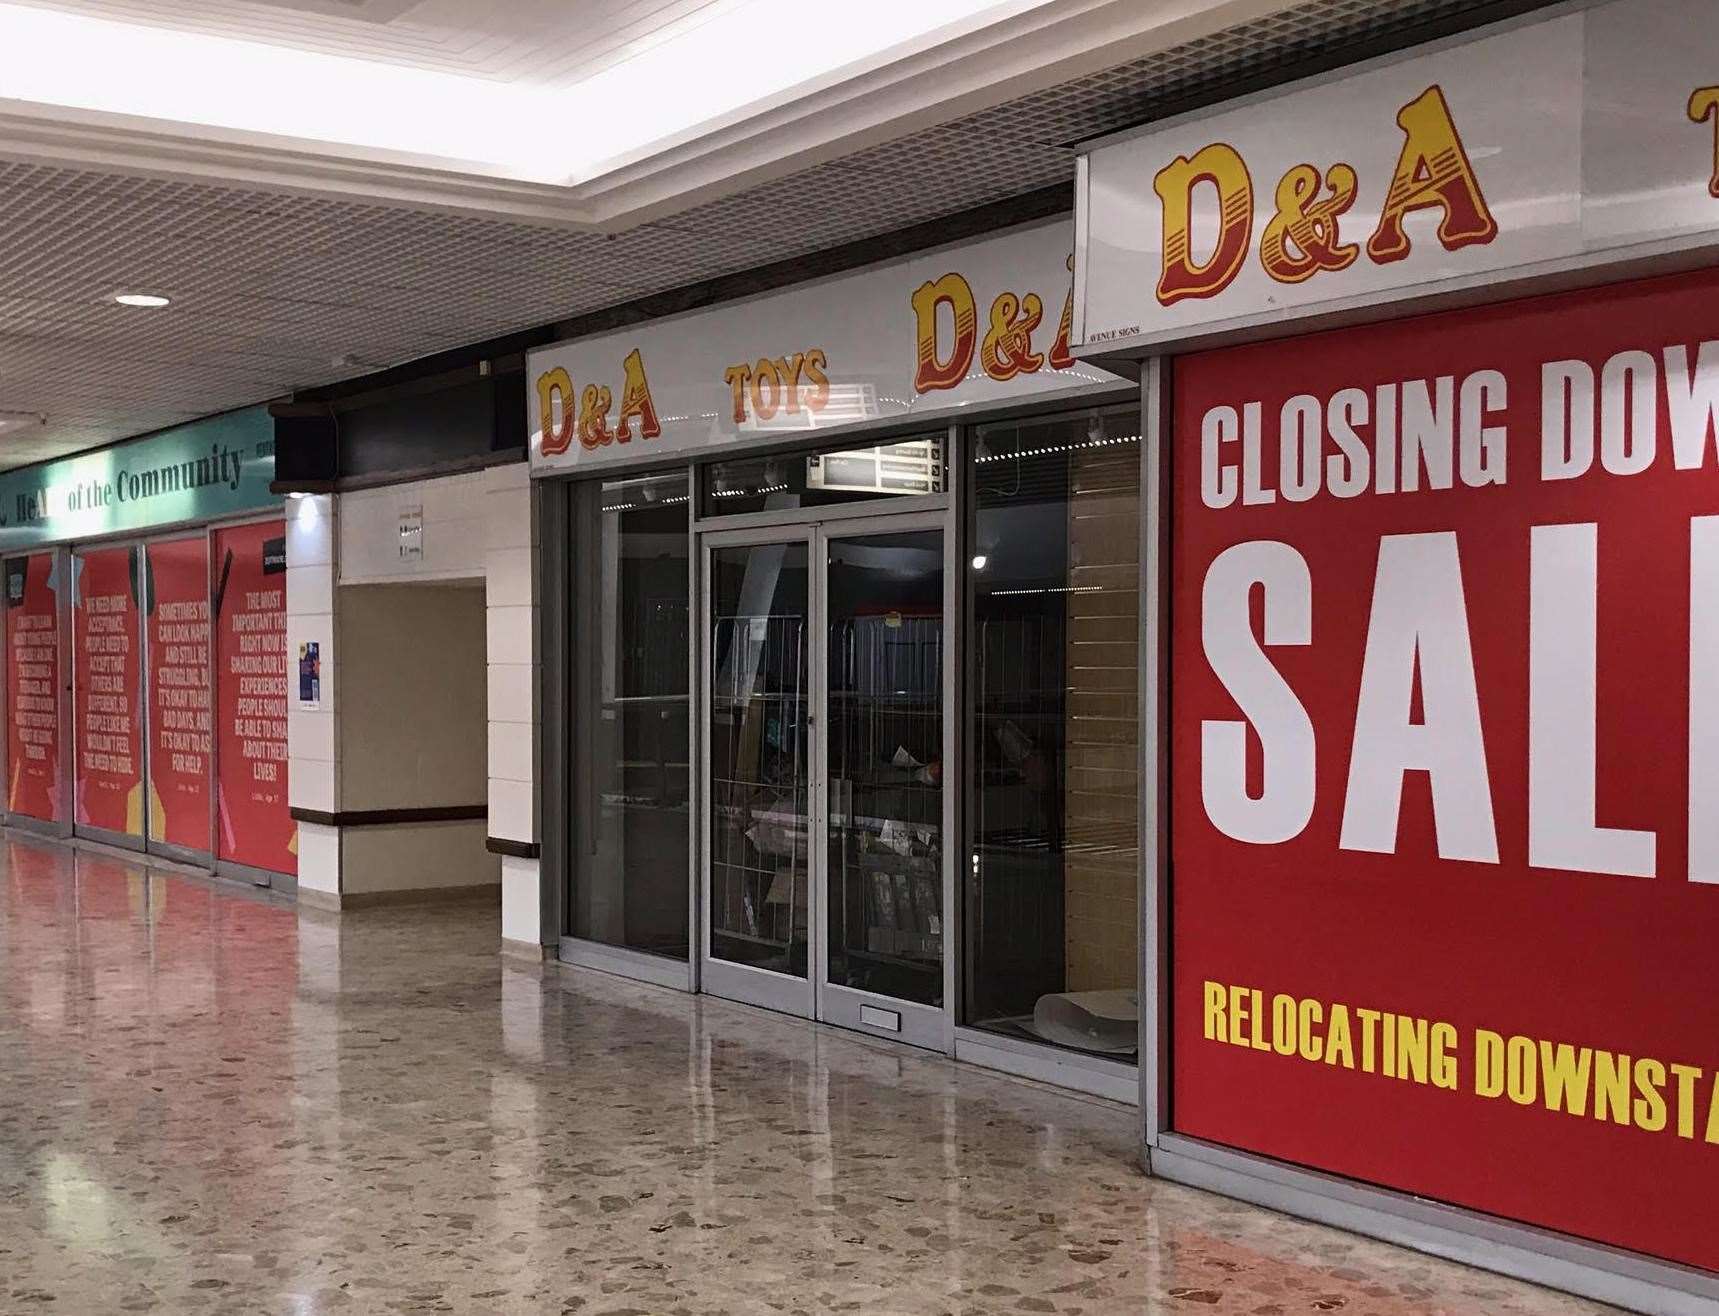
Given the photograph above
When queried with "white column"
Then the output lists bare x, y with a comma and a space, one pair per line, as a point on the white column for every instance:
511, 607
313, 766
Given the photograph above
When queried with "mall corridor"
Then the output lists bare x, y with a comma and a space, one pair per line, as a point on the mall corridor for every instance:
213, 1101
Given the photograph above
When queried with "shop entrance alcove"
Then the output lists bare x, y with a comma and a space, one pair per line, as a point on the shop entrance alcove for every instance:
852, 734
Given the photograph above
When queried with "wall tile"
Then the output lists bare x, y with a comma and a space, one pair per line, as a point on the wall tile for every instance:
521, 909
512, 634
512, 692
318, 857
454, 509
509, 518
511, 810
309, 590
508, 577
511, 752
310, 733
311, 784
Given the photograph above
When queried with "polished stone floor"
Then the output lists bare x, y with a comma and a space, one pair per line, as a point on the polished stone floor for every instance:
211, 1102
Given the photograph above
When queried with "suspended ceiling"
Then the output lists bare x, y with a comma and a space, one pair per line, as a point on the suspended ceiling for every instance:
275, 291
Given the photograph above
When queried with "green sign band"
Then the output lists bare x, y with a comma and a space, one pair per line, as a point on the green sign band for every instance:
221, 466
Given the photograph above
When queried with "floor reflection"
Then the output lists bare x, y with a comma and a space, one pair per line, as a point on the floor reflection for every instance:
211, 1101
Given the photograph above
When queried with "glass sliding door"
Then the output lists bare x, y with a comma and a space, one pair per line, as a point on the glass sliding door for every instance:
758, 742
827, 683
1050, 932
631, 777
885, 677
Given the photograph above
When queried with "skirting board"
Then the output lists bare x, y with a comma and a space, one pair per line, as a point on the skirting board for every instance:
487, 894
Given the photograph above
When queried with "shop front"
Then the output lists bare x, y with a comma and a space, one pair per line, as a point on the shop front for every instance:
1430, 363
841, 639
145, 648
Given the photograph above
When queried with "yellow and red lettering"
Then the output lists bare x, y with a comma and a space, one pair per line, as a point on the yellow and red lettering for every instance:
816, 364
789, 370
737, 377
1302, 237
594, 406
555, 386
1221, 166
934, 371
1433, 170
1008, 347
1060, 357
636, 401
1704, 105
766, 404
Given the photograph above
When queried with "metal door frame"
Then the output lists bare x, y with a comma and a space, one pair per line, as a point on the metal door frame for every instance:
814, 997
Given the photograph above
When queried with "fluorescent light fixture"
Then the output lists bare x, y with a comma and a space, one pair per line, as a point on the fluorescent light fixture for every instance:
142, 299
737, 53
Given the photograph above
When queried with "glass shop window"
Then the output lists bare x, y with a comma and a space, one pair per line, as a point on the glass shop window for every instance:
631, 700
1053, 664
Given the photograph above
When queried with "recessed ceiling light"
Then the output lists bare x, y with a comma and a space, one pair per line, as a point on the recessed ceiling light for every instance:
141, 299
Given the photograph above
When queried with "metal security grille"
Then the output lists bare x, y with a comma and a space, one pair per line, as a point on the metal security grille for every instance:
274, 292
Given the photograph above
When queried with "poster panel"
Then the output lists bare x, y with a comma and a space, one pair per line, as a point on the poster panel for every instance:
179, 706
107, 662
33, 687
1445, 756
253, 825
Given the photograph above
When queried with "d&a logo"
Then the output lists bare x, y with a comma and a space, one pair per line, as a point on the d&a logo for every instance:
1303, 236
560, 417
1006, 349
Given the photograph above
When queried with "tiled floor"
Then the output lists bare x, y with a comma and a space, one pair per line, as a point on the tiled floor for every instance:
210, 1102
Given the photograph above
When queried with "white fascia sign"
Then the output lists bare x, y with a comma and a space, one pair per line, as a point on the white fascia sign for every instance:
930, 337
1532, 148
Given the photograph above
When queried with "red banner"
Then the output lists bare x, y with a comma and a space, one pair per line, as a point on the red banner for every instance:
106, 669
32, 688
1445, 758
179, 713
253, 825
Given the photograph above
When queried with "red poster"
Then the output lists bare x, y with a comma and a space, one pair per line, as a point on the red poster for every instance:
253, 825
32, 687
179, 713
106, 667
1445, 758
